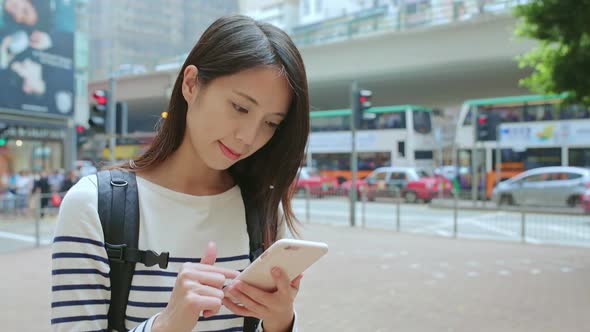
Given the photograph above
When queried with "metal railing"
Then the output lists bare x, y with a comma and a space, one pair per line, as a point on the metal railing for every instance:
405, 16
27, 220
448, 216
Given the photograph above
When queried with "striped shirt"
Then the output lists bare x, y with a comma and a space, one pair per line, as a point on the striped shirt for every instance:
169, 221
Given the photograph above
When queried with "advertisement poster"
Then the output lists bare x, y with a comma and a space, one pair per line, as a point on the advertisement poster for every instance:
37, 56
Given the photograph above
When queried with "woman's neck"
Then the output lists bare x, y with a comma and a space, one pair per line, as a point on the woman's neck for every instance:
186, 172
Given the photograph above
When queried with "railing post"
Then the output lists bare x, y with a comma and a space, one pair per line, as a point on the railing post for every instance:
398, 207
523, 226
38, 220
363, 206
455, 214
307, 205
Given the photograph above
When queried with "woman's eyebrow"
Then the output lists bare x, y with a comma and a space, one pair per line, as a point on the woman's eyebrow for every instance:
250, 98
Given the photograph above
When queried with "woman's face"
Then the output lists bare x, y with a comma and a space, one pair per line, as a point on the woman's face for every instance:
234, 116
22, 11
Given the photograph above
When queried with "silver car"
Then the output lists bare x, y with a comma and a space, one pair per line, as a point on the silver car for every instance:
547, 186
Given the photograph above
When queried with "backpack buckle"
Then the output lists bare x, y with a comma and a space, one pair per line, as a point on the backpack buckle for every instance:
151, 258
116, 252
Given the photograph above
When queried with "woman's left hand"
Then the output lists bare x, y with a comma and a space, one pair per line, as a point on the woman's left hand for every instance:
274, 308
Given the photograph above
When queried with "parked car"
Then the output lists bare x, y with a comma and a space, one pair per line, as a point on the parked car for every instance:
317, 184
412, 183
546, 186
586, 201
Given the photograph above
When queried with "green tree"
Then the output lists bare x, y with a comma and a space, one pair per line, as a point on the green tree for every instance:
561, 62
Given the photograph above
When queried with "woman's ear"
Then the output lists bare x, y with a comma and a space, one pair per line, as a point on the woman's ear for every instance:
189, 83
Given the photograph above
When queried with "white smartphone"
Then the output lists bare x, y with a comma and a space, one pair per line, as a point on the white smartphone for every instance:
293, 256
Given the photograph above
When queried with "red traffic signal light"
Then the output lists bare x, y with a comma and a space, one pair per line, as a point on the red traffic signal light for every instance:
100, 96
80, 129
482, 120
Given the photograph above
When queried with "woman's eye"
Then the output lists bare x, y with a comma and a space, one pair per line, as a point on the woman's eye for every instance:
240, 108
273, 125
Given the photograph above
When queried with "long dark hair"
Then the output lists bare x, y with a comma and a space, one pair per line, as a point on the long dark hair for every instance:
232, 44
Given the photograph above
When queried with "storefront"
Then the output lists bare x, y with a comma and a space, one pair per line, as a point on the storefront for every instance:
32, 146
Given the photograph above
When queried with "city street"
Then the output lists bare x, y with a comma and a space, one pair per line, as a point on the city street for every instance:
380, 280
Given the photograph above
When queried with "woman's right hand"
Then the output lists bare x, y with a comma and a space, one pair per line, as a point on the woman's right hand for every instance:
197, 289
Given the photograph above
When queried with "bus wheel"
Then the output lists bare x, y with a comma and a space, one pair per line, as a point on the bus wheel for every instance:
506, 200
411, 197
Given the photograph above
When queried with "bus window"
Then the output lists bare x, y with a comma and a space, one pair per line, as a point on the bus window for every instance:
422, 154
331, 123
422, 122
372, 160
391, 120
579, 157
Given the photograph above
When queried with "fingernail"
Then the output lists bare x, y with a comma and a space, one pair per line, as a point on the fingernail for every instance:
276, 271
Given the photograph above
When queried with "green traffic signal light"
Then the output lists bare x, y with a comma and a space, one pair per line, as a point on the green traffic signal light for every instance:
2, 141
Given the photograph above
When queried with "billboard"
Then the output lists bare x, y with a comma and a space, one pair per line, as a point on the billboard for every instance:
545, 134
37, 56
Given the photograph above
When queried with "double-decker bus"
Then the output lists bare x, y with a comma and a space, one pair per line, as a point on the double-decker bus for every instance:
534, 131
389, 136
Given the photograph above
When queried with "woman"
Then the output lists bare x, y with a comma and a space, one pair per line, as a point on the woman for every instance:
238, 119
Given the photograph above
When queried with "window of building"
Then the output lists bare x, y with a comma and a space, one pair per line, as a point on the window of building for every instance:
318, 6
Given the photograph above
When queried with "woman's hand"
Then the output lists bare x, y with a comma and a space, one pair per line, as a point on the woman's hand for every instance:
274, 308
197, 289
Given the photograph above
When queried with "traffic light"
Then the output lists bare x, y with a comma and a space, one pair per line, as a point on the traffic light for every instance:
362, 102
487, 125
3, 128
482, 130
81, 135
98, 112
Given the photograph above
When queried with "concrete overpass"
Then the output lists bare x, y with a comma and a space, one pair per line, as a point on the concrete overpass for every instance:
437, 66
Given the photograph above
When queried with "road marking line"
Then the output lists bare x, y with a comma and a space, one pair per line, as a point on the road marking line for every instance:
18, 237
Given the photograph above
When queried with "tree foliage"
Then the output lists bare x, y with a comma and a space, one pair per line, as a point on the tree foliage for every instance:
561, 61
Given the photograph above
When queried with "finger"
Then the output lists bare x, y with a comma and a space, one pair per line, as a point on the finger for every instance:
195, 277
228, 273
248, 302
209, 313
209, 291
282, 280
236, 309
210, 254
262, 297
297, 282
207, 303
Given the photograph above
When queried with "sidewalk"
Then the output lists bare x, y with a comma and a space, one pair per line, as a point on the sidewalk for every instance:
376, 280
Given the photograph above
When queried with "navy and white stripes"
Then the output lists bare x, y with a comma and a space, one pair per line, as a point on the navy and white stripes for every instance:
169, 221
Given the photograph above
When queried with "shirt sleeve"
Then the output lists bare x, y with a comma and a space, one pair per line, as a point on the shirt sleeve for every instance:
260, 328
81, 288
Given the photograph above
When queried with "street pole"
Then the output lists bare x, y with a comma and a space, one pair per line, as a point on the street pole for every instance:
112, 118
353, 154
498, 156
474, 175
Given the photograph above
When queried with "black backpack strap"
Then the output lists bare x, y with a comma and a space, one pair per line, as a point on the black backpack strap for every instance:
118, 209
254, 225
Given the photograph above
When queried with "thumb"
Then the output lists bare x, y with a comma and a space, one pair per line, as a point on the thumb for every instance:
210, 254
